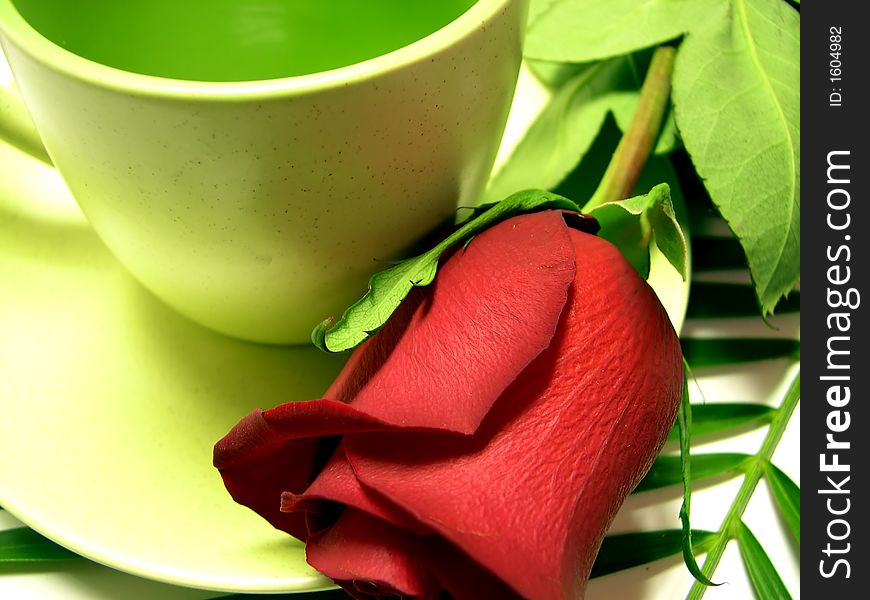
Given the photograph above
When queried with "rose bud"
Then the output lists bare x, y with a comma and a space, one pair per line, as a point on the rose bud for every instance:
483, 440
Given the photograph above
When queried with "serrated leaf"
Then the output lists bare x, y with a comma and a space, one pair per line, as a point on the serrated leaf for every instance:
736, 90
632, 224
22, 544
714, 352
787, 496
719, 417
714, 300
538, 7
586, 30
684, 423
667, 470
626, 550
389, 287
565, 129
765, 581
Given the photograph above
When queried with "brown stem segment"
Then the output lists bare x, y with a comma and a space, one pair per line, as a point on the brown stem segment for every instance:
638, 141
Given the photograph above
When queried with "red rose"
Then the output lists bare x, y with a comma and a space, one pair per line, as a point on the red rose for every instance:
483, 440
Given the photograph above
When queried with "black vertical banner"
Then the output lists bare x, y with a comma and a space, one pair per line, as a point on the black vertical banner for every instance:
835, 421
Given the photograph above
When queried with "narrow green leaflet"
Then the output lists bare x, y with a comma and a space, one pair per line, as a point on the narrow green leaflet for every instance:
713, 300
731, 522
765, 581
667, 470
787, 496
565, 129
389, 287
721, 417
633, 223
714, 352
736, 91
626, 550
585, 30
684, 421
22, 544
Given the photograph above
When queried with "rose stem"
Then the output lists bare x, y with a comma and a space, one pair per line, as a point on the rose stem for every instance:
754, 471
638, 141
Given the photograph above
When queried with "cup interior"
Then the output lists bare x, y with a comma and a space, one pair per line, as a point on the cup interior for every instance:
235, 40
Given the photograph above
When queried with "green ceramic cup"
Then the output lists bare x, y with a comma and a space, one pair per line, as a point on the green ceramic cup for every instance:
253, 184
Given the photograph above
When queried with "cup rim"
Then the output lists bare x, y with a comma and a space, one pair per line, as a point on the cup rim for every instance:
17, 30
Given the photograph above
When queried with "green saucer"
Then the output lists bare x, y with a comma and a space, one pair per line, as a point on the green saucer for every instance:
110, 404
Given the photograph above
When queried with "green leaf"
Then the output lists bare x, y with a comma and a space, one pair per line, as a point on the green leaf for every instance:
684, 421
389, 287
633, 223
586, 30
667, 470
713, 352
538, 7
710, 300
737, 98
626, 550
565, 129
22, 544
715, 418
787, 496
765, 580
731, 522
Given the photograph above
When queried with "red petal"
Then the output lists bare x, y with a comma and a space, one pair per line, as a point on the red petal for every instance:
471, 338
337, 482
531, 494
370, 557
281, 450
492, 309
463, 577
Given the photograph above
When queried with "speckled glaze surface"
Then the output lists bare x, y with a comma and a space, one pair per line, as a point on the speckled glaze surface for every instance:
260, 208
